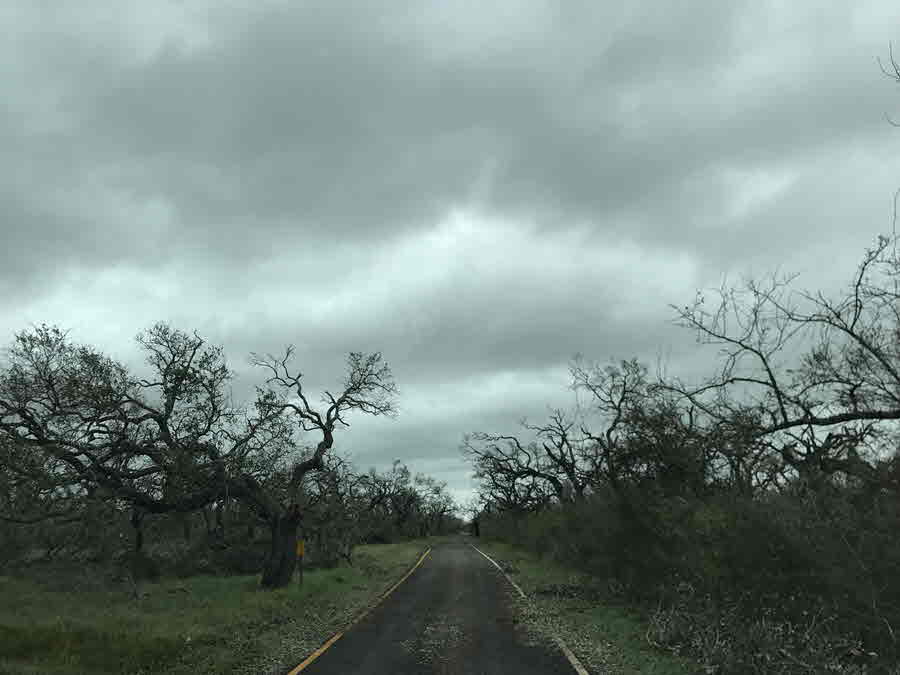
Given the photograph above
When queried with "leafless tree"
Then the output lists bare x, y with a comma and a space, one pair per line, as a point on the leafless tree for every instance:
368, 387
160, 444
172, 442
815, 377
615, 392
516, 476
436, 504
565, 458
333, 504
893, 72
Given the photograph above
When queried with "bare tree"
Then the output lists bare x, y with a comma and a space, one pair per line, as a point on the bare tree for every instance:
368, 387
816, 376
160, 444
570, 452
403, 498
172, 442
517, 477
333, 503
436, 504
615, 391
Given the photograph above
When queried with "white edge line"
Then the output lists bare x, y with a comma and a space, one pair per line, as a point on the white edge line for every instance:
573, 660
576, 664
494, 563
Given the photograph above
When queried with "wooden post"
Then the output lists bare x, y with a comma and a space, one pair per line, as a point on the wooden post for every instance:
300, 552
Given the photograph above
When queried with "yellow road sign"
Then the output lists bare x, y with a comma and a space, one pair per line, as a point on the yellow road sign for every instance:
300, 548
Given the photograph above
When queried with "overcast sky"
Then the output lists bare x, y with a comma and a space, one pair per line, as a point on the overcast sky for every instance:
478, 190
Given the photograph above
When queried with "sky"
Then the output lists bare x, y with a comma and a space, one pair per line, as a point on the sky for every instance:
480, 191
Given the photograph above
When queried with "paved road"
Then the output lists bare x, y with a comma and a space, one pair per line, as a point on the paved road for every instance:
452, 615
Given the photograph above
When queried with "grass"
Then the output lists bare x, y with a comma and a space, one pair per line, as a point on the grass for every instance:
605, 636
199, 625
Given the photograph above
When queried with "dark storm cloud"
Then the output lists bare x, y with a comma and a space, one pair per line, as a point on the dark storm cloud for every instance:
313, 122
477, 191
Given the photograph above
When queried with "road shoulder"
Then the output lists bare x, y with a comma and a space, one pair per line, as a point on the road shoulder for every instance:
380, 565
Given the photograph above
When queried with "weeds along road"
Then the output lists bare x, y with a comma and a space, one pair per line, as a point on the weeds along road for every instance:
453, 614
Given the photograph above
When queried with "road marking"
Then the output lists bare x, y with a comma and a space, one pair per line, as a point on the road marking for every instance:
316, 654
337, 636
573, 660
576, 664
494, 563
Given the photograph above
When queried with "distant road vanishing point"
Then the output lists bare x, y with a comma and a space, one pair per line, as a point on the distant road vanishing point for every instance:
452, 615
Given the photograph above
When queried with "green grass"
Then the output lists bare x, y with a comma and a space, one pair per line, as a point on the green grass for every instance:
606, 637
197, 625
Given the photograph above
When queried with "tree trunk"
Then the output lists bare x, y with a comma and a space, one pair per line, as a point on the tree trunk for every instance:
137, 522
217, 536
186, 527
282, 558
220, 519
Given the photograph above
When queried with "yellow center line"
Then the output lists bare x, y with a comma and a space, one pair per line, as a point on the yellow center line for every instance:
337, 636
312, 657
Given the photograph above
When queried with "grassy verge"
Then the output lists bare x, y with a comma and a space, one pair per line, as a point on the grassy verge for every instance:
196, 625
606, 637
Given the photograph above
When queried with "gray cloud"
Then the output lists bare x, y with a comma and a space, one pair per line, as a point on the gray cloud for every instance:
479, 193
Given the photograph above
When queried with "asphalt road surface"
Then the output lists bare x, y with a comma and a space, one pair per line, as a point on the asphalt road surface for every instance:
454, 615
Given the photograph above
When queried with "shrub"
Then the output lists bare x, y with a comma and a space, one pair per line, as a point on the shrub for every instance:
140, 566
746, 585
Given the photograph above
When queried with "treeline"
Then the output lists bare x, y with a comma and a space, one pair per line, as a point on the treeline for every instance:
340, 508
99, 462
753, 514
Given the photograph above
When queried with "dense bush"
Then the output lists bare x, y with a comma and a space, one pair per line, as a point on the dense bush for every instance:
234, 557
747, 585
138, 566
753, 513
